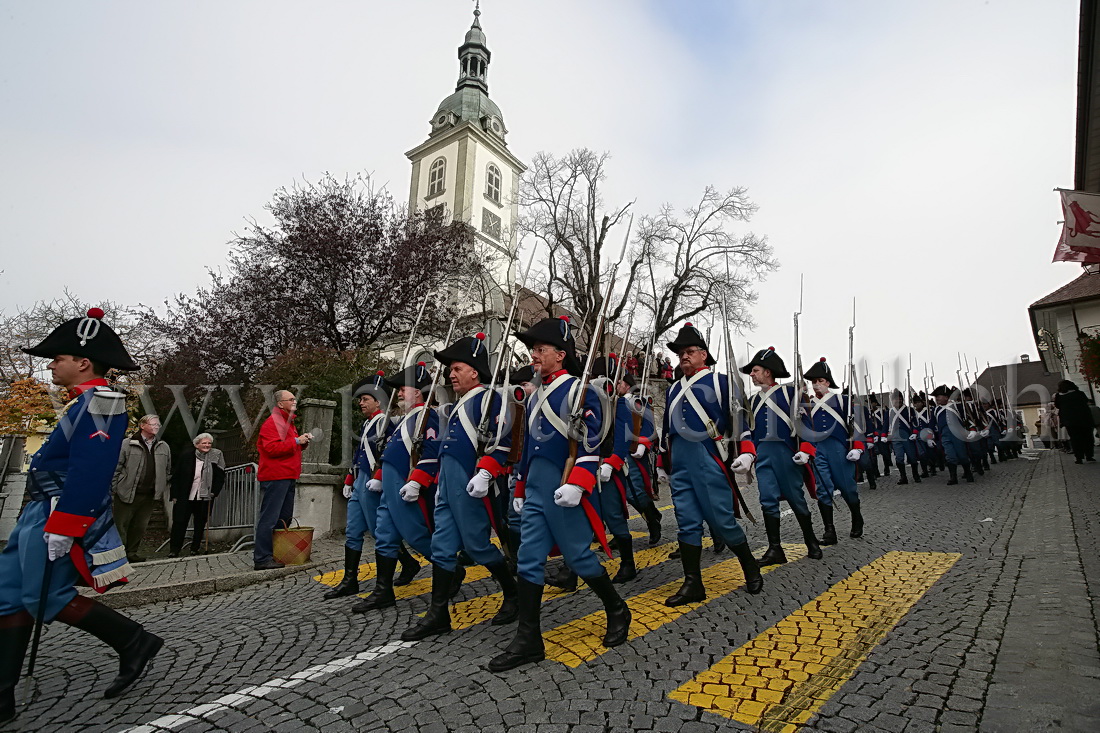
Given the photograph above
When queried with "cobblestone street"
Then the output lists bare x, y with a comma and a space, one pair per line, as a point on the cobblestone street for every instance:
962, 608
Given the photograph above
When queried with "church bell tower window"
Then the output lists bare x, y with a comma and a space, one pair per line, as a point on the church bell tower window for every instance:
436, 175
492, 183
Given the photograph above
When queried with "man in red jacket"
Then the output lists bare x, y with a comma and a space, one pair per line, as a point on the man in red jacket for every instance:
280, 449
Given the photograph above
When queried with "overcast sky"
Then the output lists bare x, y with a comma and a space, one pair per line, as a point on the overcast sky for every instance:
901, 153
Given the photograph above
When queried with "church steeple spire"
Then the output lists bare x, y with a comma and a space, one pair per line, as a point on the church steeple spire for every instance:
473, 57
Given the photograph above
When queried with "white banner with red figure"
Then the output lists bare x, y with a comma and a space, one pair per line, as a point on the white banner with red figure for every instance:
1080, 240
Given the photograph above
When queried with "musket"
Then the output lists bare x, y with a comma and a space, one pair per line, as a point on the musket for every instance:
851, 379
799, 384
736, 405
400, 365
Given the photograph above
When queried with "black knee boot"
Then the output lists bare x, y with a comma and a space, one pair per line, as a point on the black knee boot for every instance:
438, 618
775, 554
526, 647
902, 478
627, 569
829, 537
916, 476
754, 582
857, 520
136, 647
615, 608
409, 566
953, 472
509, 607
15, 634
968, 477
653, 524
692, 589
564, 578
349, 586
382, 596
806, 522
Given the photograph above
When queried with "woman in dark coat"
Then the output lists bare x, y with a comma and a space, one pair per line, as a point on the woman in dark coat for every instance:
197, 477
1076, 417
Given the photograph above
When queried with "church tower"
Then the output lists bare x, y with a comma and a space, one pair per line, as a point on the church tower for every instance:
464, 170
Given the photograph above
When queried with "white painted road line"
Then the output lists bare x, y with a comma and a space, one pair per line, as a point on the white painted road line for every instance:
243, 697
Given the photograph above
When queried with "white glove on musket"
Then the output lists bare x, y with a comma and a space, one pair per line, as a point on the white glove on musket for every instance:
517, 504
971, 435
743, 463
348, 489
57, 545
985, 433
568, 495
912, 437
478, 487
801, 458
410, 492
931, 443
375, 485
639, 451
662, 474
605, 473
854, 455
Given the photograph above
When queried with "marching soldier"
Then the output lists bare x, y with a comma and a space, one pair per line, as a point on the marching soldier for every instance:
404, 510
359, 486
614, 451
523, 378
641, 483
924, 424
902, 432
780, 458
69, 484
975, 421
697, 418
557, 476
838, 450
881, 435
953, 432
464, 514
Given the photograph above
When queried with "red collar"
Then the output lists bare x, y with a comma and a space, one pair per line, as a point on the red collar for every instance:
80, 389
697, 371
374, 414
555, 375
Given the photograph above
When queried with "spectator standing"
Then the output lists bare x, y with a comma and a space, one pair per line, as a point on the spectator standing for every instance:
632, 364
198, 478
141, 477
1075, 416
280, 449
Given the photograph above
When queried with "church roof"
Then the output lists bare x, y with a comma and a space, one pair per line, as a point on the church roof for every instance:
1085, 287
469, 103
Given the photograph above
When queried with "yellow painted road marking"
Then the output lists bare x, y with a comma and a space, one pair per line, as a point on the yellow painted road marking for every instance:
636, 515
778, 680
581, 640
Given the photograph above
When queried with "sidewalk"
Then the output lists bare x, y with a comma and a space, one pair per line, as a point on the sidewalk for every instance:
186, 577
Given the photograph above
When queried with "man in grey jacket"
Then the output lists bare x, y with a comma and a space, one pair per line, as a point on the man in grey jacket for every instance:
141, 479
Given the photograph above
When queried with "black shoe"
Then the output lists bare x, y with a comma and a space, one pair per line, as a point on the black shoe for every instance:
509, 606
349, 586
269, 565
806, 522
754, 582
618, 613
526, 647
176, 554
775, 554
829, 536
627, 569
382, 596
857, 520
137, 558
136, 647
15, 634
968, 477
564, 579
438, 618
692, 590
409, 567
653, 524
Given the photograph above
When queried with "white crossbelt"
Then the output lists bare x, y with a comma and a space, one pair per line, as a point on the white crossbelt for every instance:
464, 418
765, 398
368, 448
406, 432
543, 408
823, 404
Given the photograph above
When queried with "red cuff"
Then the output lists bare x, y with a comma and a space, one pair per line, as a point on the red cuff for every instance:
585, 479
642, 440
70, 525
858, 445
348, 480
421, 477
615, 462
747, 446
521, 489
491, 465
377, 474
808, 448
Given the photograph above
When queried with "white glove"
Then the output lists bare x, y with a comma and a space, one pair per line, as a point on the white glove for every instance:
931, 443
743, 463
605, 473
517, 504
985, 433
57, 545
374, 485
971, 435
410, 492
912, 437
639, 451
883, 439
568, 495
662, 474
854, 455
478, 487
801, 458
348, 489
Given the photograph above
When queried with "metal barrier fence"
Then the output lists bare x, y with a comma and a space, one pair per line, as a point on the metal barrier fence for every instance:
238, 505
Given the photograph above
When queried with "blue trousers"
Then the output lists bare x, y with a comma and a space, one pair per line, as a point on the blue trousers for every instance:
835, 472
700, 492
362, 513
544, 524
398, 519
23, 562
954, 448
777, 477
635, 484
905, 452
610, 505
276, 503
461, 521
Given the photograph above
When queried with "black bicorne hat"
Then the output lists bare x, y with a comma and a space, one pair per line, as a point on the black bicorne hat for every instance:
918, 397
942, 391
820, 370
469, 350
521, 375
556, 332
687, 337
897, 395
416, 375
374, 385
87, 337
767, 359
